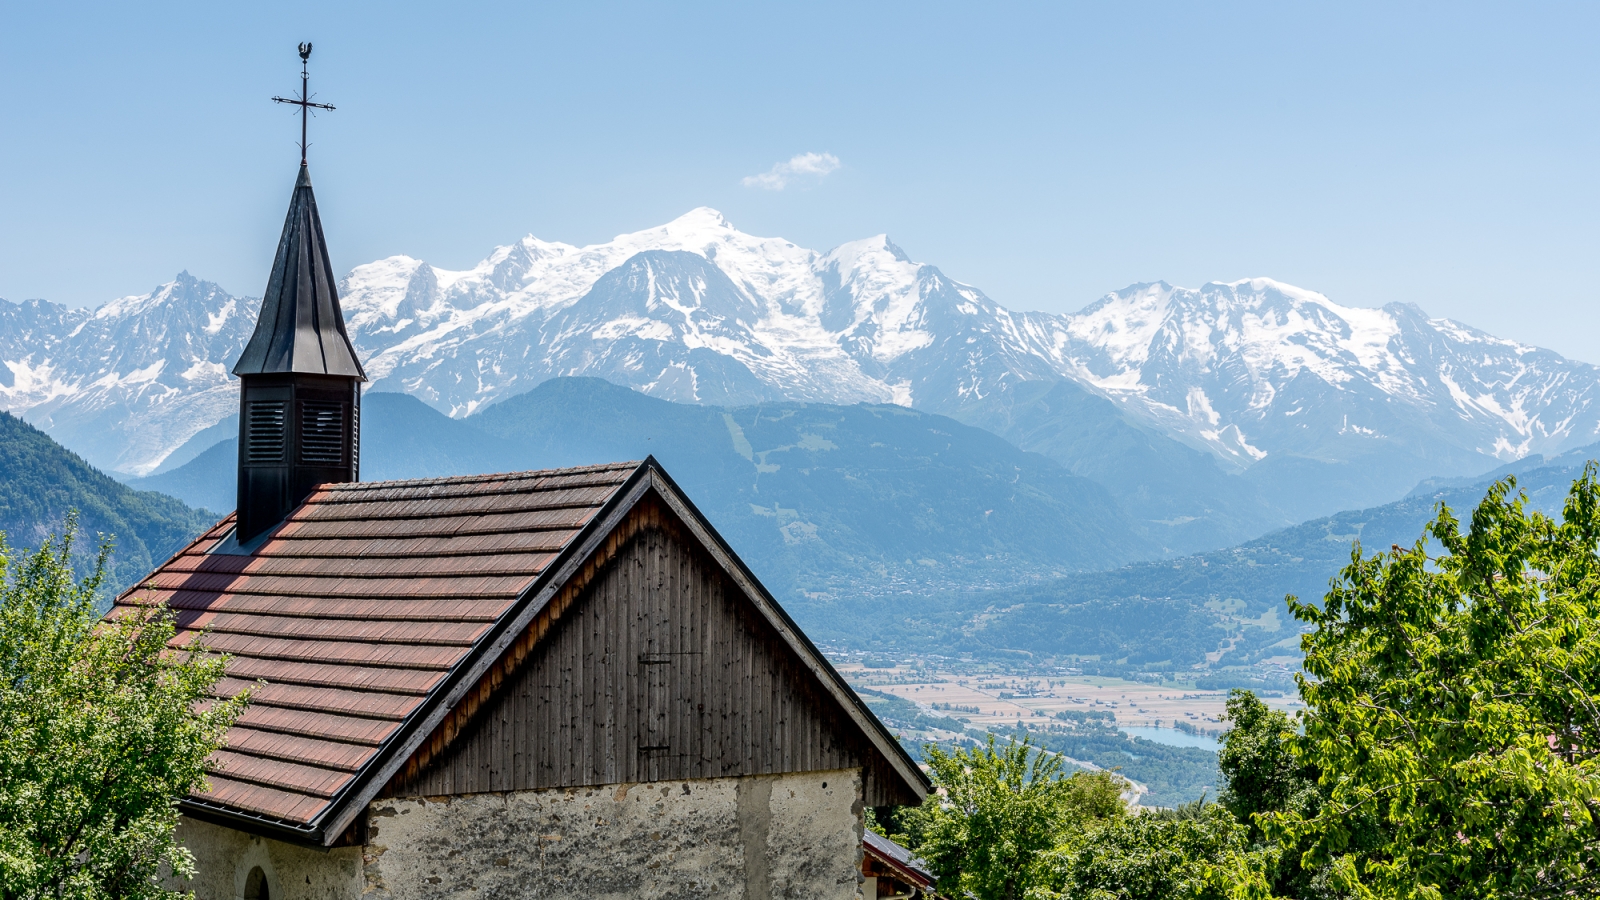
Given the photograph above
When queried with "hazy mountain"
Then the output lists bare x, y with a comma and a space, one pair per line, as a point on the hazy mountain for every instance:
1301, 406
835, 501
1181, 498
1171, 614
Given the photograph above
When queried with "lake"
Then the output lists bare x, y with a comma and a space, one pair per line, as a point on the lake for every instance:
1172, 737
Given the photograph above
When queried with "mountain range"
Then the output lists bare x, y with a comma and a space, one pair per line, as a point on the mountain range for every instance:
1211, 415
824, 502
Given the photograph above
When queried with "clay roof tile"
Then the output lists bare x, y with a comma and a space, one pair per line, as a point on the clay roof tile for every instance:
352, 611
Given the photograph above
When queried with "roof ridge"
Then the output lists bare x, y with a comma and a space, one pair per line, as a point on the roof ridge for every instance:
525, 474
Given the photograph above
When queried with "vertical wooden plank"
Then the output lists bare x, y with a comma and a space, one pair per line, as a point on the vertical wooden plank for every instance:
558, 708
518, 696
748, 700
666, 628
705, 707
599, 694
755, 707
545, 718
628, 616
729, 752
587, 691
683, 663
654, 634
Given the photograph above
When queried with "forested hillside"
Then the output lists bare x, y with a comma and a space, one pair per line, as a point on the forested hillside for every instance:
40, 481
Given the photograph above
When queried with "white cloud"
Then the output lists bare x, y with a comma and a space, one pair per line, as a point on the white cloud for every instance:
801, 166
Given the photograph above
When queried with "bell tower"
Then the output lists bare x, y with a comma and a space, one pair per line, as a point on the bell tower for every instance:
300, 380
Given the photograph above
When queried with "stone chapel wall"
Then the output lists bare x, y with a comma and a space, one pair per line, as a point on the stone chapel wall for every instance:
225, 858
793, 836
682, 839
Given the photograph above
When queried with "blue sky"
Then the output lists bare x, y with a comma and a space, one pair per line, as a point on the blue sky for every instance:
1442, 154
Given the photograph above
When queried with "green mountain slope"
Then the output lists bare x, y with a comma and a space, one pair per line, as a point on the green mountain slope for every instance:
40, 481
1169, 615
833, 502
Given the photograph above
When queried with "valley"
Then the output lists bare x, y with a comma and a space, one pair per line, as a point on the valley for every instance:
994, 701
1161, 737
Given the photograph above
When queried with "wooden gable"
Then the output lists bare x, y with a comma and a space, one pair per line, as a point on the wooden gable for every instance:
653, 663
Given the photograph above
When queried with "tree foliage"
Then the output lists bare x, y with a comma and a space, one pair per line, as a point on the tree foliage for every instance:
1203, 855
997, 812
1454, 709
102, 729
1449, 749
1257, 762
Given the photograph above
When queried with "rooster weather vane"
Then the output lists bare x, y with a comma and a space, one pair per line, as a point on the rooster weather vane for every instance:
304, 100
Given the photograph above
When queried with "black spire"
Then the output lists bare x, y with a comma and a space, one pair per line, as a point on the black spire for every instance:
300, 380
301, 328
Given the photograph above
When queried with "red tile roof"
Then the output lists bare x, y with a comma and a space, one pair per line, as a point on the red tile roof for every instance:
355, 609
898, 858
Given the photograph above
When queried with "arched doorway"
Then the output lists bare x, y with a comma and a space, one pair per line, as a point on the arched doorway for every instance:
255, 885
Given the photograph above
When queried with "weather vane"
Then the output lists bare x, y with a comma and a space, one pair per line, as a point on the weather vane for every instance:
304, 101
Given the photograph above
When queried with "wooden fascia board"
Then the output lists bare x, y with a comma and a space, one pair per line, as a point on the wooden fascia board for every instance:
775, 615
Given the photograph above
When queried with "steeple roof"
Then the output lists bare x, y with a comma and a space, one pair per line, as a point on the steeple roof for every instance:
301, 328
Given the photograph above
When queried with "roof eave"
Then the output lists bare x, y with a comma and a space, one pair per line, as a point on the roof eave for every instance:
251, 823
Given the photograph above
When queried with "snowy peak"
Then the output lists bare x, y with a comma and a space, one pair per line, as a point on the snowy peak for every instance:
1255, 371
1247, 368
701, 226
127, 383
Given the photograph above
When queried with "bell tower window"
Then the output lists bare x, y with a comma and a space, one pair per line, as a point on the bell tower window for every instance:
322, 429
264, 432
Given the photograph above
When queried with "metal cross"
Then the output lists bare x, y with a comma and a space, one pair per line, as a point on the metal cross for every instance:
304, 100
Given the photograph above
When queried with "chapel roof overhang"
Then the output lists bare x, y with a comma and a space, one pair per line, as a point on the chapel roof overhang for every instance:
374, 609
301, 328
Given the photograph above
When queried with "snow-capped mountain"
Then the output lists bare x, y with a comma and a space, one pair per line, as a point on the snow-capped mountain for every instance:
1256, 367
1255, 371
125, 383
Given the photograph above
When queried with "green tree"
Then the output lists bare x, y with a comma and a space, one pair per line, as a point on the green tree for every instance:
1454, 709
102, 728
1258, 764
1263, 778
997, 811
1199, 851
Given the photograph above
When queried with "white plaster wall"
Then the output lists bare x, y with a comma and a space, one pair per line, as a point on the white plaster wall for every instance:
224, 857
752, 838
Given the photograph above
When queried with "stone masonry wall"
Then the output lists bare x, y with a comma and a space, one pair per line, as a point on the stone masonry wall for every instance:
768, 837
658, 841
224, 857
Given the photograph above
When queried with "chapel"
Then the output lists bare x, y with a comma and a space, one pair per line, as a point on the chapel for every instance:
547, 684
